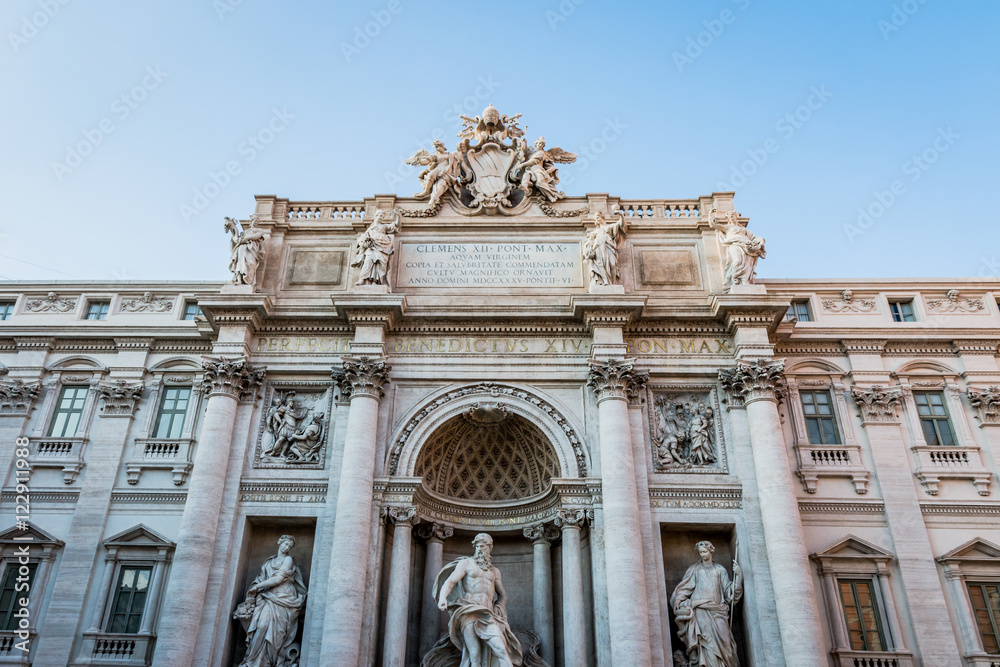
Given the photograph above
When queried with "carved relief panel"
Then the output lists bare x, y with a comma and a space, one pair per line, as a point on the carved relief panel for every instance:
294, 425
685, 431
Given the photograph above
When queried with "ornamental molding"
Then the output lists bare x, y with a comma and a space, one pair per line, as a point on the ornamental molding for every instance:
969, 347
848, 304
987, 404
17, 396
38, 496
864, 346
616, 379
189, 346
50, 303
924, 349
362, 376
961, 509
878, 405
807, 349
231, 376
146, 303
757, 381
134, 343
120, 397
492, 391
149, 497
842, 507
84, 345
695, 497
304, 488
952, 304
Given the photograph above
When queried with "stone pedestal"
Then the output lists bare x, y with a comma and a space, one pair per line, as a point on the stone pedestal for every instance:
398, 607
430, 615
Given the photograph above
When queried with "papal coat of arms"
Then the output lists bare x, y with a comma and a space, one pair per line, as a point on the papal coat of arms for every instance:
493, 170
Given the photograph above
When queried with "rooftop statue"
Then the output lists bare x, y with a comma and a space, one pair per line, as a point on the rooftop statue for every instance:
246, 250
743, 248
600, 249
374, 245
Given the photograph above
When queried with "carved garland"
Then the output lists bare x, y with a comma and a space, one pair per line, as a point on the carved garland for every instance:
753, 382
119, 397
548, 210
16, 397
493, 390
986, 403
232, 376
877, 404
362, 376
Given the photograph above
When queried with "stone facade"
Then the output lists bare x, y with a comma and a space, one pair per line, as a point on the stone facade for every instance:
477, 378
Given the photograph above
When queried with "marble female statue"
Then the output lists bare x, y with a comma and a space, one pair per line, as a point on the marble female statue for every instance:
743, 249
699, 436
601, 249
702, 603
271, 611
374, 246
246, 250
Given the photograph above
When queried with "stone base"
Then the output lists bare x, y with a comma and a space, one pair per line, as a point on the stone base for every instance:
229, 288
606, 289
748, 289
371, 289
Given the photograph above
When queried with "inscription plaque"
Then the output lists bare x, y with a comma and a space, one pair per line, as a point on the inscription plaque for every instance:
490, 265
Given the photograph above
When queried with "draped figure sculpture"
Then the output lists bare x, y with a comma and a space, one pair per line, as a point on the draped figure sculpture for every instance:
743, 248
270, 612
600, 248
245, 250
374, 246
702, 604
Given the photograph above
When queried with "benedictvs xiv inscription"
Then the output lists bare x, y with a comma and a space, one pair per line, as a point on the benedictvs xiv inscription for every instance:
490, 265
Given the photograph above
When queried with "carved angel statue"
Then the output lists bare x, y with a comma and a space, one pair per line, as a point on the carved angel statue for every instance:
442, 172
539, 171
702, 604
270, 612
374, 245
246, 250
491, 126
743, 248
600, 248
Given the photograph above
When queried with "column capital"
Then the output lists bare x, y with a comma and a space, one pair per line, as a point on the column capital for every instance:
17, 396
120, 397
435, 532
231, 376
569, 518
616, 379
877, 405
986, 402
400, 515
757, 381
542, 532
362, 376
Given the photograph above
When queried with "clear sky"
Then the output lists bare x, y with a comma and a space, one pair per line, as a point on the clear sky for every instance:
861, 136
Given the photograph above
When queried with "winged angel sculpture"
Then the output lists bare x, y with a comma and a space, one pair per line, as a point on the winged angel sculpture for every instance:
494, 169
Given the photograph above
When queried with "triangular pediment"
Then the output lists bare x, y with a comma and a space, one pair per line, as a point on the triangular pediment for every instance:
977, 549
33, 535
140, 535
853, 547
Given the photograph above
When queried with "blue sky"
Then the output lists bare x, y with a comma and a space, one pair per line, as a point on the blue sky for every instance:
861, 137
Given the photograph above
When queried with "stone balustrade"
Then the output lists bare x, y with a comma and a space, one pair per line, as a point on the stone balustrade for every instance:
951, 462
815, 461
63, 453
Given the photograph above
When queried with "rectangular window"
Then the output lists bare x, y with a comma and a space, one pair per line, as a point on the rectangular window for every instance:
6, 310
820, 421
129, 599
863, 624
799, 310
902, 311
173, 409
10, 595
69, 409
985, 600
191, 310
933, 417
98, 310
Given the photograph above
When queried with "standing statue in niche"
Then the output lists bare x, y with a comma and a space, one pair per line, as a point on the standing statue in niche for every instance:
270, 612
703, 603
246, 250
601, 249
743, 249
374, 245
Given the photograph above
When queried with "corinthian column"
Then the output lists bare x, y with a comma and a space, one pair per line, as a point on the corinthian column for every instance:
541, 537
227, 382
574, 639
758, 387
363, 378
398, 606
613, 382
430, 615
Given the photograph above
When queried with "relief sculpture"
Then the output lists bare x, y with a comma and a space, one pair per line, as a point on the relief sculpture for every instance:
294, 429
683, 432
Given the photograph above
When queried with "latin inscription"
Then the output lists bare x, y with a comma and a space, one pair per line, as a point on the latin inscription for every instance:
497, 345
490, 265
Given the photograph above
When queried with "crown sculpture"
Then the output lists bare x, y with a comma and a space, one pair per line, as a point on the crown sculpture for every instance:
494, 169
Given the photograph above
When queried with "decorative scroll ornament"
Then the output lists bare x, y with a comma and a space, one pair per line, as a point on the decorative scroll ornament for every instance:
233, 376
543, 532
951, 304
119, 397
374, 247
753, 382
16, 397
435, 531
986, 403
877, 404
493, 170
398, 515
847, 304
147, 303
600, 249
569, 518
362, 376
50, 304
616, 379
743, 248
246, 250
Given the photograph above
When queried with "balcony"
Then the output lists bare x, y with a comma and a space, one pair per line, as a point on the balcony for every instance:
817, 461
64, 453
10, 654
160, 454
951, 462
846, 658
103, 649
